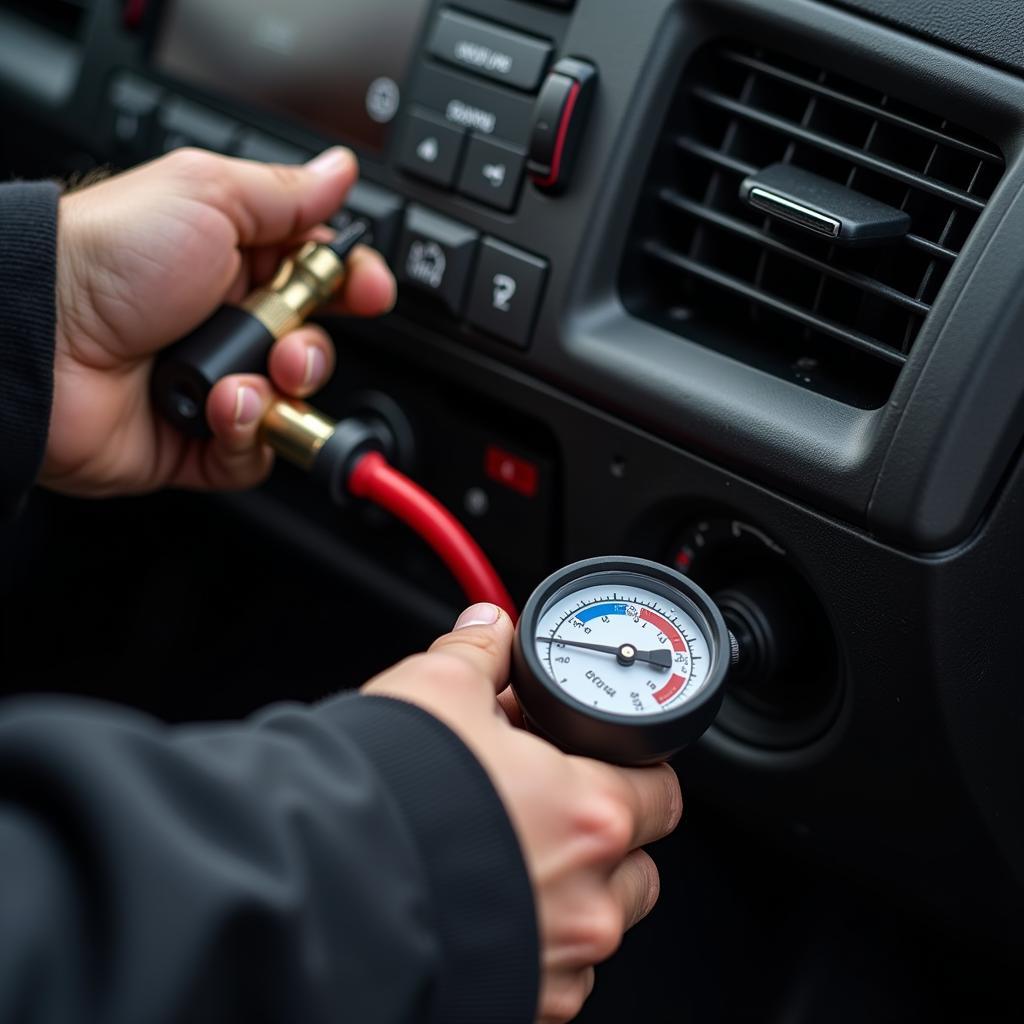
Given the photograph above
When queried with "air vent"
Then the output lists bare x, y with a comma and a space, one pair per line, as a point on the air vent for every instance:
707, 266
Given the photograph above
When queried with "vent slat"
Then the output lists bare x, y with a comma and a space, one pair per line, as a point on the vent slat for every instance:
840, 149
871, 109
744, 230
932, 248
838, 320
794, 312
715, 156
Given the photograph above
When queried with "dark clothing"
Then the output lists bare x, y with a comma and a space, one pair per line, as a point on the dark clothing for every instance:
346, 862
28, 266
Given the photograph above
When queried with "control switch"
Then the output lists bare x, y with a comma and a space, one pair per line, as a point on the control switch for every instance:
492, 172
435, 256
432, 149
558, 121
506, 292
490, 50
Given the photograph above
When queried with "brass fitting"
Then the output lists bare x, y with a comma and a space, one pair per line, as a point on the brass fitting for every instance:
296, 431
304, 282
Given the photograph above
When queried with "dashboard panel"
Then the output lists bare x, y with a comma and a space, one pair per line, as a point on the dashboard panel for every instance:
567, 398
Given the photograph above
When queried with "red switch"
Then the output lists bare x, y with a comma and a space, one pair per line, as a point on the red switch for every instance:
511, 471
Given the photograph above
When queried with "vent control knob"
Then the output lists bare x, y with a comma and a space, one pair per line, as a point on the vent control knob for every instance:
823, 207
558, 119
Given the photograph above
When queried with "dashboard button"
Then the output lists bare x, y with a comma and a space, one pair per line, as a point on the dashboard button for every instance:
562, 108
474, 105
492, 172
431, 148
506, 293
268, 150
435, 256
490, 50
131, 115
380, 208
188, 124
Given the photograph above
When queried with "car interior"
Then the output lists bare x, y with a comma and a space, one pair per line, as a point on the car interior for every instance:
734, 286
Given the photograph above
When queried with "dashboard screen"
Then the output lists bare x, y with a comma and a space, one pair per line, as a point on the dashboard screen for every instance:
337, 65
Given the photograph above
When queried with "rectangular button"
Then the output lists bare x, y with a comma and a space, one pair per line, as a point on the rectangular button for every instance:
268, 150
492, 172
380, 208
475, 106
506, 292
435, 256
188, 124
130, 119
489, 50
431, 148
511, 471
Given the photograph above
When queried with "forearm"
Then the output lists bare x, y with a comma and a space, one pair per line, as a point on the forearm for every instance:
277, 870
28, 240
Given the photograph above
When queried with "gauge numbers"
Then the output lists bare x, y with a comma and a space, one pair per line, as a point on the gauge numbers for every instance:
624, 650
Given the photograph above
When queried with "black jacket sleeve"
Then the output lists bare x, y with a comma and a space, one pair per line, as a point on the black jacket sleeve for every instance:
350, 862
28, 260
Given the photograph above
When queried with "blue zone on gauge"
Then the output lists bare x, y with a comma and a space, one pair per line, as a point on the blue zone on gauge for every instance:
600, 609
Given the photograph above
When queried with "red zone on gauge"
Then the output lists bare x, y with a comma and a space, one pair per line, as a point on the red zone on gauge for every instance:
677, 682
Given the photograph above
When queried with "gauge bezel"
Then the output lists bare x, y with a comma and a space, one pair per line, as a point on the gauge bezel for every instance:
624, 739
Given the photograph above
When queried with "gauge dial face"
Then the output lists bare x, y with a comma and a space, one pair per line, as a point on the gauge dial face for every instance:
622, 648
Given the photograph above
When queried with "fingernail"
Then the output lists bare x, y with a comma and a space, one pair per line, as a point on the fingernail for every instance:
316, 366
247, 406
330, 161
478, 615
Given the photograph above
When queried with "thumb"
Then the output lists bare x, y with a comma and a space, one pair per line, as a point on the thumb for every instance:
482, 636
270, 203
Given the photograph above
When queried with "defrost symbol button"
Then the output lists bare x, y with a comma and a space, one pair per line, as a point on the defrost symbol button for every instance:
436, 256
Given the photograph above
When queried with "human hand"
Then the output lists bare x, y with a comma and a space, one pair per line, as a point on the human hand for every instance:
580, 823
143, 259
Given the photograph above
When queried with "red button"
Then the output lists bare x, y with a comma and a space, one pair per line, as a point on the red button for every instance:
511, 471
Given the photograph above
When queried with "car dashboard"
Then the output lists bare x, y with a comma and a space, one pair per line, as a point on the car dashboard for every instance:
602, 346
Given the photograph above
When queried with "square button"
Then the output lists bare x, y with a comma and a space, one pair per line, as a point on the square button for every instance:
435, 256
492, 173
431, 148
506, 292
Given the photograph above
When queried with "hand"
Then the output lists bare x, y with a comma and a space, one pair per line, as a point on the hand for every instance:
580, 823
143, 259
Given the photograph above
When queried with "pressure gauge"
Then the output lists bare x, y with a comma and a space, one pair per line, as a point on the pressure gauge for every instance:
621, 659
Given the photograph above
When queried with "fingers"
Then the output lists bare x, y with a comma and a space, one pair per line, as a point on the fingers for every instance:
369, 288
235, 458
563, 995
268, 203
482, 637
302, 362
635, 886
510, 708
651, 796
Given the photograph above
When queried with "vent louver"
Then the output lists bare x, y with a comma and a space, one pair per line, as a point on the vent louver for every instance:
707, 266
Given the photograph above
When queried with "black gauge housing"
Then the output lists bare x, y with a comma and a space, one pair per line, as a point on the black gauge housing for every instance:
592, 732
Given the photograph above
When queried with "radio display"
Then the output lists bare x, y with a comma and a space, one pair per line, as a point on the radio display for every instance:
336, 65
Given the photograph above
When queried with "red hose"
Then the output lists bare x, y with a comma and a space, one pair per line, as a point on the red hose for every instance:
375, 479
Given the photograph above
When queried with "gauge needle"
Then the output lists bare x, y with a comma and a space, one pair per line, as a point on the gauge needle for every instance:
626, 654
